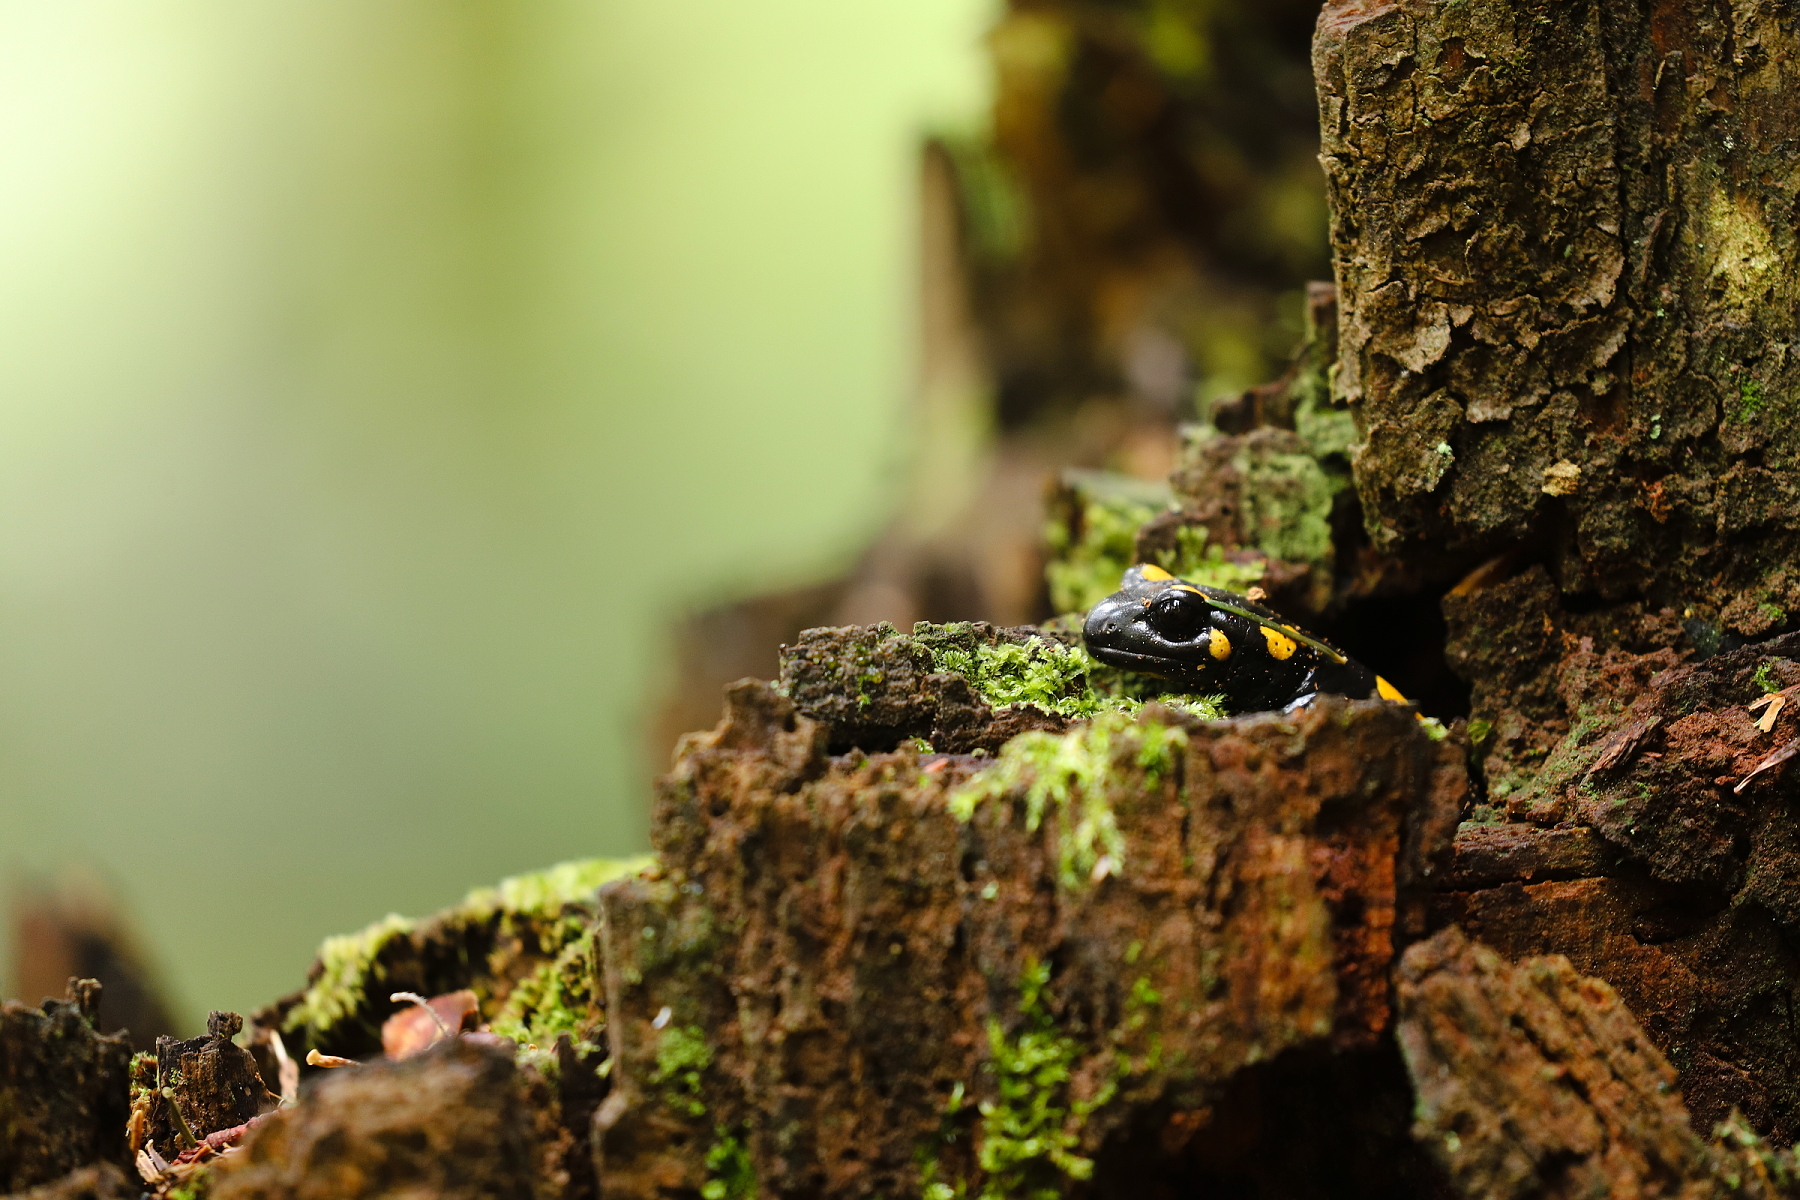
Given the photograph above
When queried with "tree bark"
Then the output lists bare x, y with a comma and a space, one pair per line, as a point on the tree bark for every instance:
1564, 236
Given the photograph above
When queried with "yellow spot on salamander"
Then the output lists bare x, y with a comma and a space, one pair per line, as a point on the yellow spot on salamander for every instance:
1281, 646
1388, 691
1219, 645
1153, 573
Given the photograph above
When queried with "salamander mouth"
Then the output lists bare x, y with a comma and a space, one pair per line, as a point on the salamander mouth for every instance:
1130, 660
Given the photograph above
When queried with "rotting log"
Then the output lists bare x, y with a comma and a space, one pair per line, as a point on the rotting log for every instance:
1568, 263
458, 1121
847, 973
1568, 266
1675, 876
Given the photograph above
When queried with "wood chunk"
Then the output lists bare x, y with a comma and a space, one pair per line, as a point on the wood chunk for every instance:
63, 1089
1489, 854
1533, 1080
452, 1124
826, 970
102, 1181
214, 1081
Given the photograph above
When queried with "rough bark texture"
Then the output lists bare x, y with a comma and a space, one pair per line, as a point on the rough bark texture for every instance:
1669, 881
215, 1083
103, 1181
63, 1090
873, 688
449, 1124
833, 971
1535, 1081
1565, 242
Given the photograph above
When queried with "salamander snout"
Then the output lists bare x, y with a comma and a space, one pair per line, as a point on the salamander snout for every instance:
1105, 622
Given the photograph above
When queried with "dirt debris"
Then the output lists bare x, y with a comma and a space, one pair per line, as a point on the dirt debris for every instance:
102, 1181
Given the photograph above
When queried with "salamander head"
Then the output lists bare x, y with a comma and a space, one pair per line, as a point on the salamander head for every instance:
1157, 625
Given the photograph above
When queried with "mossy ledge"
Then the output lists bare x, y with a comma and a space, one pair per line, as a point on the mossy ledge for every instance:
519, 945
925, 974
960, 688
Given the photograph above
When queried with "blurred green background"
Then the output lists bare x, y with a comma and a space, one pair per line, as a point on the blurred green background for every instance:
379, 379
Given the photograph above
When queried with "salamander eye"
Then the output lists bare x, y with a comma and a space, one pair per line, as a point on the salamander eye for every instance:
1178, 616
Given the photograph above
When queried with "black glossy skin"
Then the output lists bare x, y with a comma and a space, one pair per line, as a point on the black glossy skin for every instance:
1165, 627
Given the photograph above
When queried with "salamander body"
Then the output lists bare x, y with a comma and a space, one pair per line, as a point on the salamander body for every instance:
1206, 640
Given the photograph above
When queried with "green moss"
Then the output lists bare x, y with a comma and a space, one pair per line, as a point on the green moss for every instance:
340, 989
142, 1077
682, 1058
344, 963
1066, 776
1195, 561
544, 893
1764, 679
1772, 612
1030, 1131
1046, 674
195, 1187
1287, 506
552, 1001
1040, 672
1092, 537
730, 1175
1328, 432
1750, 400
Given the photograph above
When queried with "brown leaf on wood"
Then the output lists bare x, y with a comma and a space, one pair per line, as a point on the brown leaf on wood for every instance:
417, 1027
1775, 702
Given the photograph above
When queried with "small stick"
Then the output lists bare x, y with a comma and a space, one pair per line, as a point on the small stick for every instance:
315, 1059
1774, 760
422, 1002
181, 1126
287, 1071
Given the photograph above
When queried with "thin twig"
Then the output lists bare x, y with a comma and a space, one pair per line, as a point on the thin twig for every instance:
1774, 760
422, 1002
181, 1126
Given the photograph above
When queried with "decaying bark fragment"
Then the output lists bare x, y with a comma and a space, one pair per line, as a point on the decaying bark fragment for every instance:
1679, 889
102, 1181
1535, 1081
873, 687
212, 1081
63, 1092
830, 984
450, 1123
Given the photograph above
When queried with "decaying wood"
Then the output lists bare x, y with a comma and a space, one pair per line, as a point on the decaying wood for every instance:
1535, 1081
848, 951
62, 1089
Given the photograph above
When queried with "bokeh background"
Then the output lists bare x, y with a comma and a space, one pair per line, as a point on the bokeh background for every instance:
411, 411
379, 381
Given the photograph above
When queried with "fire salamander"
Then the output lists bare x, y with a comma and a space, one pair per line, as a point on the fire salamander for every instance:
1205, 640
